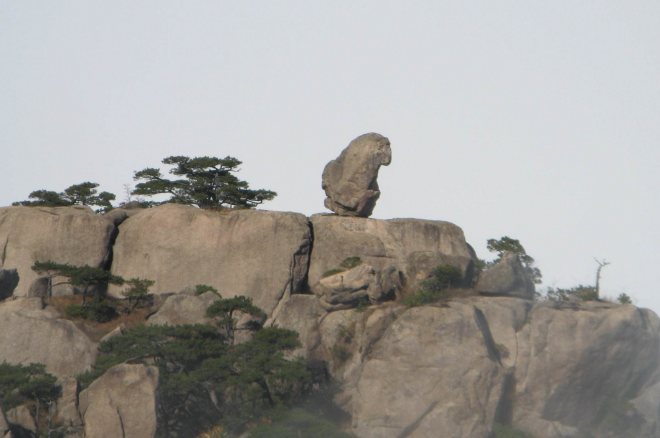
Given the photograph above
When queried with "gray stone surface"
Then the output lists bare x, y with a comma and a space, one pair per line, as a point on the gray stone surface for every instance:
118, 331
422, 263
506, 277
118, 215
74, 235
462, 366
259, 254
122, 403
4, 425
350, 181
67, 405
383, 243
21, 416
31, 333
8, 282
184, 309
301, 313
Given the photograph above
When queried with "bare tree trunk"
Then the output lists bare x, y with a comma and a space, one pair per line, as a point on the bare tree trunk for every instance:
601, 265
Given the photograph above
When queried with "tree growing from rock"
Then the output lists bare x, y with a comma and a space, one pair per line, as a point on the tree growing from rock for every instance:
507, 244
77, 194
207, 182
82, 276
225, 308
137, 292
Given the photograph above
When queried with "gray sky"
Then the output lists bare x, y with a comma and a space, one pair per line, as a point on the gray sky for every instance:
537, 120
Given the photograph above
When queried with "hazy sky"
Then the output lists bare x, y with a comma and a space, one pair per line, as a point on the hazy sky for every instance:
537, 120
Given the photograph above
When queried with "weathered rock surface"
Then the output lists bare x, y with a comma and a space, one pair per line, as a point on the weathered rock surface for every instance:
122, 403
118, 331
118, 215
345, 289
571, 362
547, 369
67, 405
506, 277
301, 313
8, 282
259, 254
21, 416
350, 181
31, 333
384, 243
186, 308
74, 235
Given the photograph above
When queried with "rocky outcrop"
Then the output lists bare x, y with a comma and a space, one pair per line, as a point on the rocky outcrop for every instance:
4, 425
346, 289
573, 362
122, 403
350, 181
8, 282
385, 243
67, 405
259, 254
550, 370
185, 308
31, 333
74, 235
507, 277
21, 416
301, 313
118, 215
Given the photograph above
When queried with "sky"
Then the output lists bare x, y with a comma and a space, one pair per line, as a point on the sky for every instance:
534, 120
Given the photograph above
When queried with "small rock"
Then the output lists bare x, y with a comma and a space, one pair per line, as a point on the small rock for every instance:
350, 181
21, 416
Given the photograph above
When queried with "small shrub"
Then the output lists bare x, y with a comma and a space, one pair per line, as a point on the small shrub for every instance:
576, 293
297, 423
137, 292
433, 289
351, 262
340, 353
362, 305
346, 334
332, 272
624, 299
76, 311
101, 311
202, 288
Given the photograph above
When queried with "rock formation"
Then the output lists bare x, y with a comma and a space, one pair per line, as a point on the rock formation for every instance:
350, 181
262, 255
507, 277
385, 243
74, 235
31, 333
184, 308
122, 403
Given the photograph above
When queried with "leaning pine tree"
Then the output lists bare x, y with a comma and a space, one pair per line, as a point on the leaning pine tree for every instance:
208, 182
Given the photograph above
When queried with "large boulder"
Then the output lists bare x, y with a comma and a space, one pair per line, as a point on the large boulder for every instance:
301, 313
346, 289
350, 181
122, 403
67, 405
8, 282
31, 333
507, 277
22, 417
74, 235
575, 365
259, 254
185, 308
384, 243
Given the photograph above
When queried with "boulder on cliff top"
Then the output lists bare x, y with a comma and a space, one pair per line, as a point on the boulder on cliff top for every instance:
121, 403
384, 243
260, 254
350, 181
507, 277
31, 333
74, 235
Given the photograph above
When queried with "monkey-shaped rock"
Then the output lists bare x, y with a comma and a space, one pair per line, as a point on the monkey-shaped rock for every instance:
350, 181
